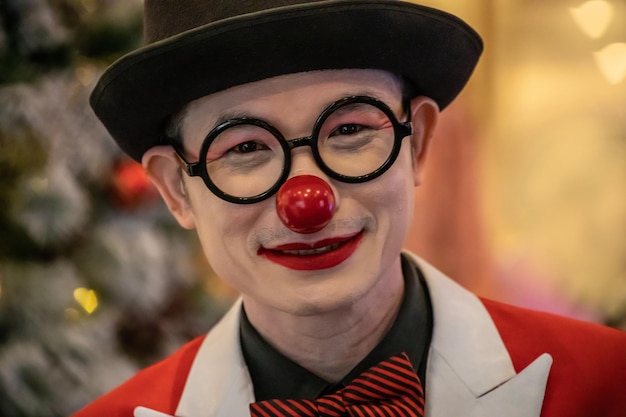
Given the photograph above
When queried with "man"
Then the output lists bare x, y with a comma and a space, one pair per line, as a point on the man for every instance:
290, 135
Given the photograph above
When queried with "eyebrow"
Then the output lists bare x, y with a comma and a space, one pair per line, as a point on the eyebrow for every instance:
225, 116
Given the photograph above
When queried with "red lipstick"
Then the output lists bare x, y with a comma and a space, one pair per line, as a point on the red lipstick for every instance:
324, 254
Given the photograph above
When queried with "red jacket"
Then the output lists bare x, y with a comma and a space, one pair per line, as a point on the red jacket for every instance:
587, 376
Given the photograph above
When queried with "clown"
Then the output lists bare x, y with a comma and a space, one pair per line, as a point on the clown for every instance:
290, 135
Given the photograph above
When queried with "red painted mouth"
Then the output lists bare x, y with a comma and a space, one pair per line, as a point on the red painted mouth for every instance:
324, 254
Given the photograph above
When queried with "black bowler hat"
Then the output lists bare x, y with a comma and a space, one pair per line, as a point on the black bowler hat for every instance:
198, 47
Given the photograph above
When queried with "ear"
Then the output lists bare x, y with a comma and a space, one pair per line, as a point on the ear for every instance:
424, 116
163, 168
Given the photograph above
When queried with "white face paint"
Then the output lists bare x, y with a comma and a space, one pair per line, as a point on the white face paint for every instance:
372, 217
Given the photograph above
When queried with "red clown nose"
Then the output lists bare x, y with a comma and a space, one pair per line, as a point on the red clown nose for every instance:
305, 204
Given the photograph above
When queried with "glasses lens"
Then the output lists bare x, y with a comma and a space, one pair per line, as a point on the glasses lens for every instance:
245, 160
356, 139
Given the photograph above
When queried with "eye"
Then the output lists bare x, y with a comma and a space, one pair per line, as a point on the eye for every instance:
347, 129
248, 147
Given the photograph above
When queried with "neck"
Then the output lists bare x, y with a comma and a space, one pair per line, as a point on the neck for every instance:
331, 343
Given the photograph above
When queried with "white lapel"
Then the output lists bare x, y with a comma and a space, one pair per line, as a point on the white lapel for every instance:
470, 372
218, 383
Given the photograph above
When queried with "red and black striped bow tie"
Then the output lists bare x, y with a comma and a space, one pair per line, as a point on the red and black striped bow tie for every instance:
389, 389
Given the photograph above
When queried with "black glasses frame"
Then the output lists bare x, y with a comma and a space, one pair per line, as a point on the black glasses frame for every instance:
199, 169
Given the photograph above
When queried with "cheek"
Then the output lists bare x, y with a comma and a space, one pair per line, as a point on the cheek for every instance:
223, 229
396, 213
389, 200
400, 204
396, 191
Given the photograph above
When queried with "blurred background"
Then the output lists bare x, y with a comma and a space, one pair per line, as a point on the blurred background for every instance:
524, 198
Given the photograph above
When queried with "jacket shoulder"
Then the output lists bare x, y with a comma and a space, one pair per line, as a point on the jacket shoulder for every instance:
589, 360
158, 387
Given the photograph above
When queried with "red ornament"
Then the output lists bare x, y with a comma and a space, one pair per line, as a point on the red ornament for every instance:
131, 185
305, 204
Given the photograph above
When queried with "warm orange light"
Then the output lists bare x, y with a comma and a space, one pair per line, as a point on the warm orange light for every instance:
611, 61
593, 17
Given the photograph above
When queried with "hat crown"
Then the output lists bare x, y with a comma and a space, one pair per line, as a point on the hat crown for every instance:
199, 47
166, 18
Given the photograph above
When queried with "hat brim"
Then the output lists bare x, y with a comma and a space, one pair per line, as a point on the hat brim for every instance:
436, 51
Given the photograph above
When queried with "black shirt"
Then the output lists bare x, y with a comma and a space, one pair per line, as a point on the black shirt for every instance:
276, 376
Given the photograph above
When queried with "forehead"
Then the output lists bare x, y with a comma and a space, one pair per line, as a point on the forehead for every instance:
297, 95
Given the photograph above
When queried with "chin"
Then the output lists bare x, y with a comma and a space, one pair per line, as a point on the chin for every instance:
333, 295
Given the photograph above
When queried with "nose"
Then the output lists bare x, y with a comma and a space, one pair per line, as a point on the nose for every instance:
305, 203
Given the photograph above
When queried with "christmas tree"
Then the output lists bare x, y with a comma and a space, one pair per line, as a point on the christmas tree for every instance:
96, 279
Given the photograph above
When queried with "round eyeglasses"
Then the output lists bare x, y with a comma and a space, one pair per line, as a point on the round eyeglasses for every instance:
246, 160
